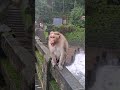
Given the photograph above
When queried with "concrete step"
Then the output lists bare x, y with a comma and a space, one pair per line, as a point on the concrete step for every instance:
15, 19
19, 35
18, 31
22, 39
13, 9
26, 43
14, 12
15, 24
18, 28
14, 15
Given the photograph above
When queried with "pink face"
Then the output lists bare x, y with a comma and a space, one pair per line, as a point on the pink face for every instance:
53, 38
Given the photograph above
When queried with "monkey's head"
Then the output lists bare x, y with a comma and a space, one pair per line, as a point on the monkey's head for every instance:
54, 38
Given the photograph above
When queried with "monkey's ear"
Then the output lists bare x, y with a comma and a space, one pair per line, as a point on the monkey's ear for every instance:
57, 33
57, 36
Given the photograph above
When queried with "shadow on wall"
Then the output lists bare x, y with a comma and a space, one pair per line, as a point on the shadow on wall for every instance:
113, 2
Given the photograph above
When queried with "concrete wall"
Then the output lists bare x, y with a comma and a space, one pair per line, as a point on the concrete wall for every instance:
102, 24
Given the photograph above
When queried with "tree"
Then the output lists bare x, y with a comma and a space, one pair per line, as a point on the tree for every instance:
75, 15
43, 11
58, 8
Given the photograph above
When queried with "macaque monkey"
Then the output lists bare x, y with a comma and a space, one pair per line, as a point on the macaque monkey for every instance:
58, 47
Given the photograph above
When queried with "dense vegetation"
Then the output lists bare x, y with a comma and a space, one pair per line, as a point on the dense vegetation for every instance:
72, 10
47, 10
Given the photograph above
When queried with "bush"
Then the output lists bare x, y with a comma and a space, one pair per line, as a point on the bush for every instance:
49, 27
77, 36
75, 15
64, 28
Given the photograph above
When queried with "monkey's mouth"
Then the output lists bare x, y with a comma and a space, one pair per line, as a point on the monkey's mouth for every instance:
52, 44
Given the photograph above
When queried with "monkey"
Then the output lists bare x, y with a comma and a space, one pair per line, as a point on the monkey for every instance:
58, 47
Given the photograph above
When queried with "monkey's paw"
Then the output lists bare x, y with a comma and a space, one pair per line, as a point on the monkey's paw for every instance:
60, 67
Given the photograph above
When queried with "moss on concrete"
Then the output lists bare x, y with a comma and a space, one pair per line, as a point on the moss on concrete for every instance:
13, 74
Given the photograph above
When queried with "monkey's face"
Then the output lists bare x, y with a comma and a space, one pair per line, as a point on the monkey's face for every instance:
54, 38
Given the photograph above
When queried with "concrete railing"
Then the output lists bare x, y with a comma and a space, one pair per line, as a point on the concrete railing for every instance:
21, 60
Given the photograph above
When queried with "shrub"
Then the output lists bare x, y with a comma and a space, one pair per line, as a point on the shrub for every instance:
75, 15
64, 28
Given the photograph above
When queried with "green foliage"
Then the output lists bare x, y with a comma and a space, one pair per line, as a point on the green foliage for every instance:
78, 34
54, 85
39, 64
43, 11
63, 6
75, 15
46, 34
39, 67
80, 3
59, 8
50, 26
71, 32
64, 28
72, 10
40, 57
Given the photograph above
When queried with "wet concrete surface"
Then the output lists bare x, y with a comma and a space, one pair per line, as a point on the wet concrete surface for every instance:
77, 68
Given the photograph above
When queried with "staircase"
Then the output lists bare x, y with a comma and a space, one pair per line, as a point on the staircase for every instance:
15, 22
